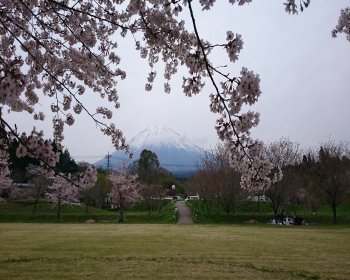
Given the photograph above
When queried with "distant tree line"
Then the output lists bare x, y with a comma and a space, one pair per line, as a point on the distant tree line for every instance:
312, 178
145, 180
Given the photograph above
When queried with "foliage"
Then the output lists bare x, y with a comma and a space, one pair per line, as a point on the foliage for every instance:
330, 172
148, 168
99, 192
216, 181
169, 181
66, 164
152, 195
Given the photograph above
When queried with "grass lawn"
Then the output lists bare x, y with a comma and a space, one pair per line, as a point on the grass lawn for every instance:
21, 211
248, 210
129, 251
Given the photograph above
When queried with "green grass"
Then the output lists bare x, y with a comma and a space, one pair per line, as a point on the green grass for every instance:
21, 211
127, 251
249, 210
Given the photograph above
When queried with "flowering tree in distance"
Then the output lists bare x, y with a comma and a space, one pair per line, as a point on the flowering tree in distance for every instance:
40, 179
282, 153
68, 189
62, 192
124, 192
63, 49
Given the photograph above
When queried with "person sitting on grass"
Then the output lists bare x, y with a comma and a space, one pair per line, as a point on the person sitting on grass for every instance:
297, 220
279, 219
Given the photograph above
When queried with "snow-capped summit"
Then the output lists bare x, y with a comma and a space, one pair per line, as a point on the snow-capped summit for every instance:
161, 135
175, 152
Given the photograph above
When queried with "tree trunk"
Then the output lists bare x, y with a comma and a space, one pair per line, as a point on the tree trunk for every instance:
121, 215
58, 215
37, 194
35, 203
121, 211
334, 210
259, 208
86, 205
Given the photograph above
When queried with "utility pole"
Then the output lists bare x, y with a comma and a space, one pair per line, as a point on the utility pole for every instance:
108, 157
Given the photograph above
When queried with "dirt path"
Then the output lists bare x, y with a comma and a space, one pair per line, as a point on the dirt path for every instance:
185, 213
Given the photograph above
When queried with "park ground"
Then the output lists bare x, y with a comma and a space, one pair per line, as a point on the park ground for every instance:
165, 251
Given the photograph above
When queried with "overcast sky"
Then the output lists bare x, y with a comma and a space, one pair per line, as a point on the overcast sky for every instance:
305, 81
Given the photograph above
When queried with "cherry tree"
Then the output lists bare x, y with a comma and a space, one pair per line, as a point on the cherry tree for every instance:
64, 49
40, 178
68, 189
125, 192
85, 182
282, 154
62, 192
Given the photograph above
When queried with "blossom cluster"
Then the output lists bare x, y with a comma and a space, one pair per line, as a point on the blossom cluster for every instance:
292, 7
88, 178
35, 146
207, 4
125, 190
59, 49
63, 191
343, 25
67, 189
234, 46
249, 160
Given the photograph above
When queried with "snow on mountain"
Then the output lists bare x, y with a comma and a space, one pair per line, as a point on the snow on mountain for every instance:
175, 152
160, 135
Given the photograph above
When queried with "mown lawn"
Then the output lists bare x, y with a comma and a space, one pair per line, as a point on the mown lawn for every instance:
21, 211
129, 251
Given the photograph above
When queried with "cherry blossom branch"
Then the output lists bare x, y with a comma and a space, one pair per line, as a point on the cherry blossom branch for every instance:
208, 67
89, 14
83, 44
101, 124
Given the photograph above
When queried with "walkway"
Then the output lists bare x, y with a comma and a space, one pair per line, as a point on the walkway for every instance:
185, 213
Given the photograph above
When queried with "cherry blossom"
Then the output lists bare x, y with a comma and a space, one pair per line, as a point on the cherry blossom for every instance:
125, 192
62, 192
343, 25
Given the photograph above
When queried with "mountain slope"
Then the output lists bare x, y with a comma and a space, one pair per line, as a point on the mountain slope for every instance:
175, 152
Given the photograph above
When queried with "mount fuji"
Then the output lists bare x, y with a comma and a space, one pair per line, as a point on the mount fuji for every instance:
175, 152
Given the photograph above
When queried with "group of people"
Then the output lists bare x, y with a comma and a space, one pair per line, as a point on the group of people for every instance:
283, 218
